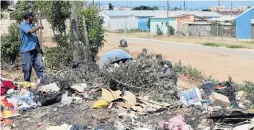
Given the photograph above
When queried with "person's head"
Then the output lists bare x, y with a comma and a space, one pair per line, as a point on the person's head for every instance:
29, 17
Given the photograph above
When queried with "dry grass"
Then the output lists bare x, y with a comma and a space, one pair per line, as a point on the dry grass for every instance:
227, 42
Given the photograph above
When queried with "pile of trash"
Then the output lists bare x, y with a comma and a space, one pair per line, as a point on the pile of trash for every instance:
125, 93
148, 74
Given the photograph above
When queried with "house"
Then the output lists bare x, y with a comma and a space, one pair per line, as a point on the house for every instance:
115, 20
159, 24
143, 16
230, 13
138, 19
176, 18
245, 25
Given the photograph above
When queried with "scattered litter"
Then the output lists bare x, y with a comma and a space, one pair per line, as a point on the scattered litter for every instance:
119, 125
100, 104
5, 86
62, 127
130, 115
219, 99
52, 87
191, 97
108, 126
66, 100
79, 87
208, 88
26, 84
78, 127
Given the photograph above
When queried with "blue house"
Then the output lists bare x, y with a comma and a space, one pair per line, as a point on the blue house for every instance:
143, 16
142, 23
160, 23
245, 24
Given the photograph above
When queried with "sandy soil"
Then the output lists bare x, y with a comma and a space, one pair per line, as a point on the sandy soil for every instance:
217, 62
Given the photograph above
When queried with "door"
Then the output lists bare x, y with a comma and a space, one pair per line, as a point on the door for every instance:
252, 31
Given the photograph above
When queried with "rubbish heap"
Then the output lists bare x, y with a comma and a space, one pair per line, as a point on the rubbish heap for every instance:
125, 93
145, 75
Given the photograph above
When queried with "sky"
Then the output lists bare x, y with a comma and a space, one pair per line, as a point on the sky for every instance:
198, 4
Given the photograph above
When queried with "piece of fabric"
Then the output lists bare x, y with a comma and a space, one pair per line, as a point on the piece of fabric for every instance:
32, 59
29, 40
5, 86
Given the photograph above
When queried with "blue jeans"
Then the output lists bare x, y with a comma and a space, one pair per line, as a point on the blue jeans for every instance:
32, 59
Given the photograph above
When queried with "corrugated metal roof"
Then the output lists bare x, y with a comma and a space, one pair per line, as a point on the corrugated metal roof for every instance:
235, 13
223, 18
196, 13
115, 13
159, 13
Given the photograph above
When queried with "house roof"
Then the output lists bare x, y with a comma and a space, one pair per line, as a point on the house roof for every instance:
117, 13
196, 13
244, 12
159, 13
223, 18
229, 12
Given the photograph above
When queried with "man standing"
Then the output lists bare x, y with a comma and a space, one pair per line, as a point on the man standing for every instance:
30, 49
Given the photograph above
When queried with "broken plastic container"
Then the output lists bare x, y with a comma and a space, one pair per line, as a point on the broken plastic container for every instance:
191, 97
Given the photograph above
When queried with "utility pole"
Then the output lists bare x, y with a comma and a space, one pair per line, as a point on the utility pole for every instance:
231, 8
168, 27
218, 5
86, 41
77, 51
184, 5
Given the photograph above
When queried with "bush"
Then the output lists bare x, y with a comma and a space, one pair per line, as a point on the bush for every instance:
249, 88
58, 57
95, 30
10, 44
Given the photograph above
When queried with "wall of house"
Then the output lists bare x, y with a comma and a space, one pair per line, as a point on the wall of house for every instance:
114, 23
183, 19
243, 25
161, 23
122, 23
142, 23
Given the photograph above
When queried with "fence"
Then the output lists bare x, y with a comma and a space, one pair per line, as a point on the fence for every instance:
207, 30
202, 30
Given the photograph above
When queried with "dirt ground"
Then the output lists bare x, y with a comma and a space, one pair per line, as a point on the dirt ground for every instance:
217, 64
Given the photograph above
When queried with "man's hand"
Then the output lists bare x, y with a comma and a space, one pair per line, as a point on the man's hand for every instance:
40, 27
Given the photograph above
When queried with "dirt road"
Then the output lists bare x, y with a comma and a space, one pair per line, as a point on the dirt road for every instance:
218, 62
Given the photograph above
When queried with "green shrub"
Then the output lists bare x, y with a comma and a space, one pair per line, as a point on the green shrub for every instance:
211, 44
58, 57
10, 44
235, 46
249, 88
95, 30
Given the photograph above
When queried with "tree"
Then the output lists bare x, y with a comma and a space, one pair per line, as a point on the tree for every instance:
216, 29
155, 8
206, 10
142, 7
10, 44
175, 9
110, 6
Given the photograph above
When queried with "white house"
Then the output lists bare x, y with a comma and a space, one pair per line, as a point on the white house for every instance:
118, 20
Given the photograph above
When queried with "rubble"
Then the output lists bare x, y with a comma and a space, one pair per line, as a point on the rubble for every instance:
142, 75
139, 93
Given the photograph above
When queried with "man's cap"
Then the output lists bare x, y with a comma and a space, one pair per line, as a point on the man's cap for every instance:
27, 14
